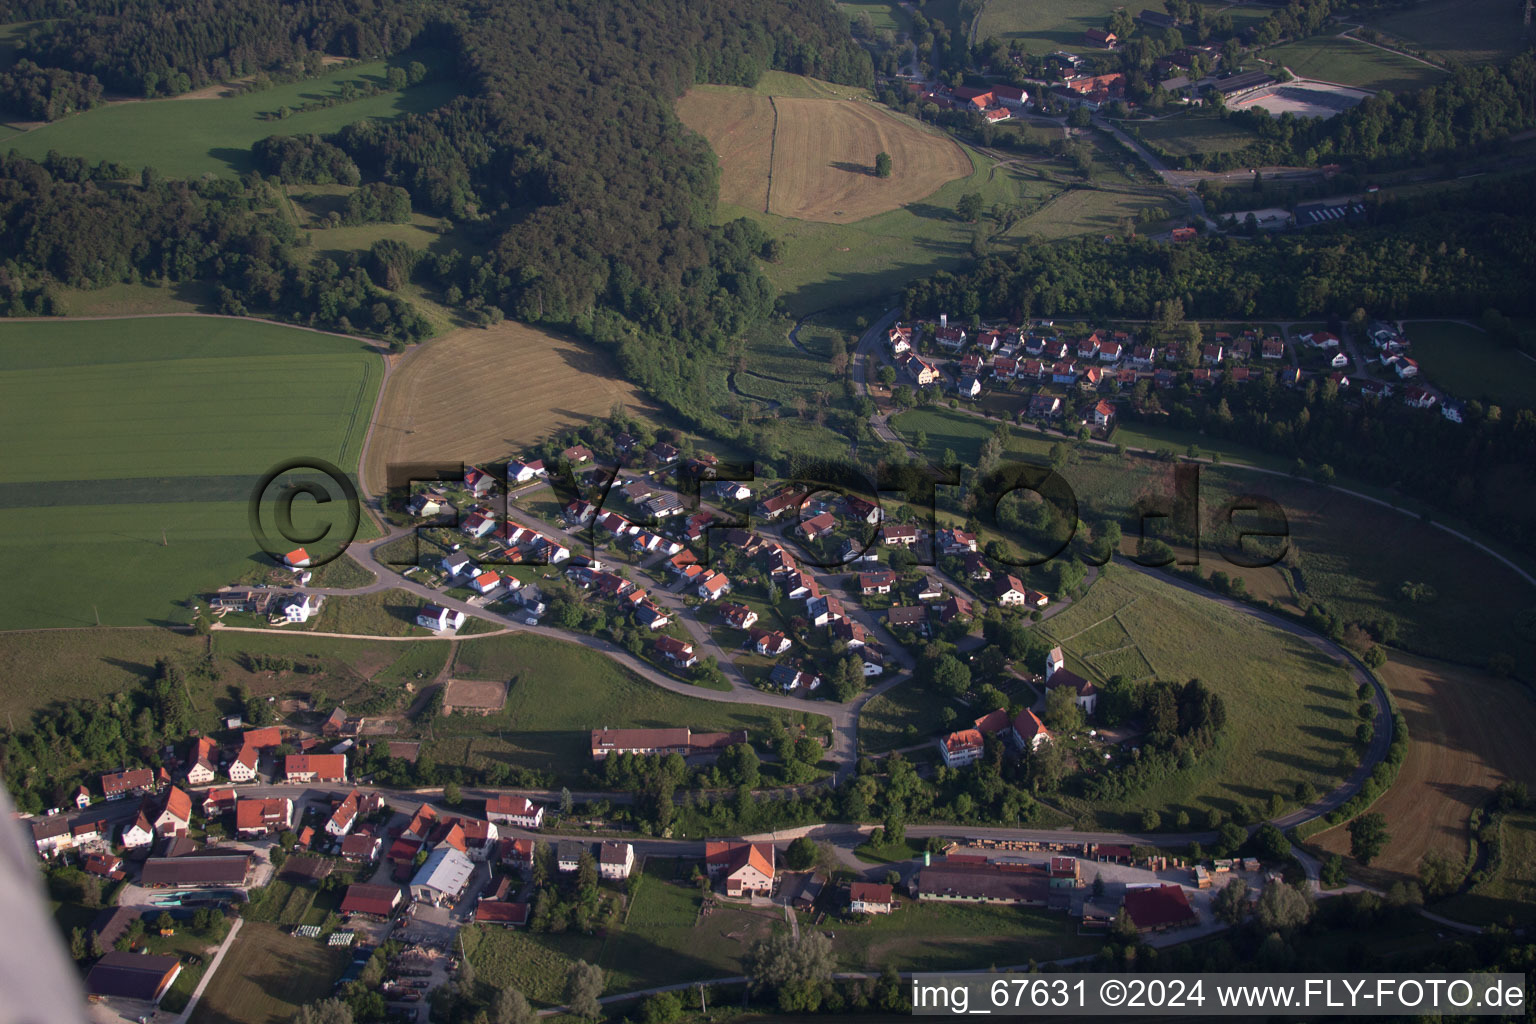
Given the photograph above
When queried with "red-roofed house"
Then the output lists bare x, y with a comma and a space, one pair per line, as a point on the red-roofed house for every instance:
746, 868
514, 810
315, 767
117, 785
1102, 413
992, 723
1028, 731
871, 898
371, 900
962, 748
258, 817
678, 652
203, 769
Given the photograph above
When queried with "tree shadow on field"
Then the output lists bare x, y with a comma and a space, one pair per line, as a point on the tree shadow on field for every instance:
853, 168
931, 212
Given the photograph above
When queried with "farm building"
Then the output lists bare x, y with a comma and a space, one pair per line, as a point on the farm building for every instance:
662, 741
442, 876
514, 810
133, 976
1156, 908
372, 900
745, 868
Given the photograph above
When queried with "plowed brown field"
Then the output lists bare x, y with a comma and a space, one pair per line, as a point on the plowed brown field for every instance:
1468, 732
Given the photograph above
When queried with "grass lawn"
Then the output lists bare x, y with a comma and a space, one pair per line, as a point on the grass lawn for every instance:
267, 976
559, 693
1511, 891
883, 14
887, 720
1043, 26
1290, 708
385, 613
185, 138
145, 440
1187, 135
1469, 31
938, 936
1469, 364
1348, 61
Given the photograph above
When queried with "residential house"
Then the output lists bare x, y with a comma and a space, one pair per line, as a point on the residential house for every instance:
615, 860
218, 802
922, 372
1063, 372
871, 898
456, 564
298, 558
962, 748
776, 505
171, 813
969, 387
746, 869
713, 585
440, 619
678, 652
976, 567
137, 833
360, 848
514, 810
261, 817
1144, 356
1320, 339
300, 608
1010, 95
770, 645
1272, 348
568, 854
353, 806
315, 768
817, 526
949, 610
1099, 37
1418, 398
82, 798
876, 582
951, 338
954, 541
1009, 591
478, 482
519, 472
1406, 367
1043, 406
201, 759
1028, 731
905, 616
898, 534
928, 589
51, 835
117, 785
899, 337
423, 505
738, 616
1102, 414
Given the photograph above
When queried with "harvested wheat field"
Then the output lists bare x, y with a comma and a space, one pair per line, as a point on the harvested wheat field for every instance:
823, 154
739, 126
1468, 731
478, 395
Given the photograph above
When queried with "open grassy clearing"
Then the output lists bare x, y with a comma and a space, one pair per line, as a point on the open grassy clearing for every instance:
1511, 891
662, 941
1469, 731
1470, 364
1349, 61
933, 936
1043, 26
384, 613
820, 153
782, 83
559, 383
267, 976
1469, 31
1290, 707
560, 692
145, 438
1192, 134
826, 266
900, 717
884, 15
187, 138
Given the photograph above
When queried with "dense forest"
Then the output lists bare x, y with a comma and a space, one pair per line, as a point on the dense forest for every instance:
149, 48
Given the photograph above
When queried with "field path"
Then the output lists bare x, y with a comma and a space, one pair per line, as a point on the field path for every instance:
213, 965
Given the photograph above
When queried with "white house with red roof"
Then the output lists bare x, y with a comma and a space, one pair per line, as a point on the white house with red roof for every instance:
506, 809
1102, 413
298, 558
678, 652
478, 482
486, 582
713, 586
1028, 731
962, 748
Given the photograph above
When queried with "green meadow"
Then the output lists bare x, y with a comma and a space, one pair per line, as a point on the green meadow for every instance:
1348, 61
137, 446
184, 138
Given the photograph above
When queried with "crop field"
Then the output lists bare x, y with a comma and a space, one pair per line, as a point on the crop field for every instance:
1469, 364
1190, 135
423, 415
1043, 26
185, 138
560, 692
820, 154
1468, 732
144, 440
267, 976
1469, 31
1290, 707
1349, 61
